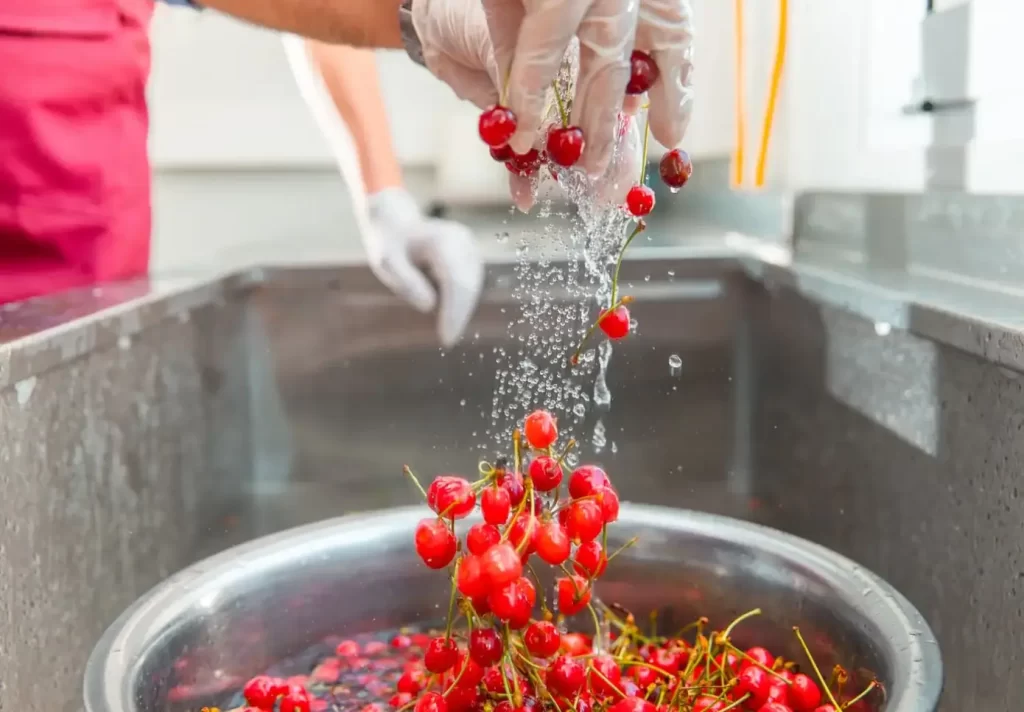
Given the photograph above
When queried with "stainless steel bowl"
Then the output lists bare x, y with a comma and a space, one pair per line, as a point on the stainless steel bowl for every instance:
239, 611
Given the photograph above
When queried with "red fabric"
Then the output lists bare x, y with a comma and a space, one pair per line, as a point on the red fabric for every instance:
74, 169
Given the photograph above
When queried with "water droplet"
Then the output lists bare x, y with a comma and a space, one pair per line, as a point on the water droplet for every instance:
463, 402
503, 237
579, 410
647, 278
883, 328
675, 365
673, 189
671, 273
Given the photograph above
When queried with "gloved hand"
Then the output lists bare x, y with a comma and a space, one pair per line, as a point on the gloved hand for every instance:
530, 38
400, 242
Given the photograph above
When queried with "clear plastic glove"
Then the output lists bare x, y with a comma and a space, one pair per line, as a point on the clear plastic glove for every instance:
402, 245
530, 39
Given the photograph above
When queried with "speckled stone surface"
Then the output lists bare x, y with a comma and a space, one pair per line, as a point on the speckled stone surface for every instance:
111, 466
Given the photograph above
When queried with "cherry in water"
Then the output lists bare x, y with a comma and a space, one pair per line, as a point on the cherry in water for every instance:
640, 200
565, 145
615, 324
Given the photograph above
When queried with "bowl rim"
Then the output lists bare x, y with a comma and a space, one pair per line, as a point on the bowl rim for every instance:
106, 684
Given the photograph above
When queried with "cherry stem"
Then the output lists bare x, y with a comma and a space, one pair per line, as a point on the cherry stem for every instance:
528, 534
575, 358
517, 449
565, 451
817, 672
689, 626
408, 471
561, 106
735, 704
643, 160
504, 86
451, 600
732, 626
640, 227
864, 693
598, 635
641, 663
609, 682
540, 588
618, 551
653, 618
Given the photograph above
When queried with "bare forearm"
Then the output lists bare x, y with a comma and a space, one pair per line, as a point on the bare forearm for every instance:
359, 23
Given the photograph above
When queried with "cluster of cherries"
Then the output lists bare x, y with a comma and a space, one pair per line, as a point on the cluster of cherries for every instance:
524, 515
565, 143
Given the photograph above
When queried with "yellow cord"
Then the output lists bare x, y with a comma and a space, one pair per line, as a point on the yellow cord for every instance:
741, 129
760, 166
773, 92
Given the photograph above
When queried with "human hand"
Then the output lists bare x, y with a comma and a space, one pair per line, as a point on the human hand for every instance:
530, 39
402, 245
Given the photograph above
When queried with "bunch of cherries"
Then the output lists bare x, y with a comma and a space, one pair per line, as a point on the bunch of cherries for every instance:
564, 144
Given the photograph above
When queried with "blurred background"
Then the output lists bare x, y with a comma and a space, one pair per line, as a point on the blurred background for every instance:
880, 95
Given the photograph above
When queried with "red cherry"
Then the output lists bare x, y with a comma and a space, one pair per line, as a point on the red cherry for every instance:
435, 543
670, 660
576, 644
778, 692
401, 642
584, 521
609, 669
755, 682
615, 323
509, 602
451, 497
643, 72
347, 649
399, 699
540, 429
525, 164
495, 504
640, 200
485, 646
573, 594
644, 676
633, 704
553, 544
804, 693
411, 682
501, 153
590, 561
467, 672
586, 480
608, 498
526, 527
296, 700
546, 473
501, 565
566, 676
731, 660
262, 691
441, 654
542, 639
431, 702
675, 168
482, 537
825, 708
496, 126
512, 482
471, 580
758, 655
706, 703
774, 707
565, 145
461, 699
480, 605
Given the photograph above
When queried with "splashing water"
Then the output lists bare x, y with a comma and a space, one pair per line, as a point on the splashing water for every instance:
562, 279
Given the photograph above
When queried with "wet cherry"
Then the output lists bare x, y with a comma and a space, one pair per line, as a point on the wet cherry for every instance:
485, 646
431, 702
501, 153
584, 521
411, 682
706, 703
758, 655
540, 429
573, 594
576, 644
643, 72
586, 480
262, 691
467, 672
608, 498
481, 537
501, 565
546, 473
510, 602
605, 676
435, 543
633, 704
525, 164
615, 323
590, 561
566, 676
471, 580
451, 497
495, 504
496, 126
347, 649
774, 707
441, 654
755, 682
804, 693
542, 639
461, 699
565, 145
525, 529
512, 482
675, 168
295, 700
399, 699
553, 544
640, 200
